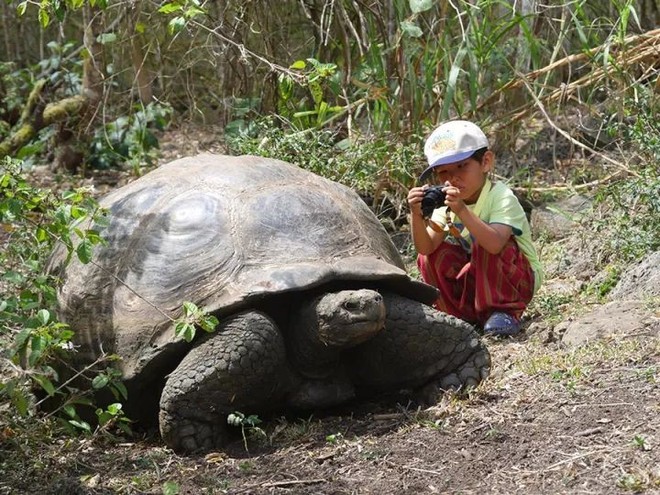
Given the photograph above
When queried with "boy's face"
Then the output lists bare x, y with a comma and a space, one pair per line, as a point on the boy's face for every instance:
469, 176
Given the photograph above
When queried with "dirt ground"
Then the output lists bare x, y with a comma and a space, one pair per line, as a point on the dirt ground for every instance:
550, 419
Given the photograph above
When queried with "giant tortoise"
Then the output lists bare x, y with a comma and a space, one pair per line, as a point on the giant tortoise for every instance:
314, 304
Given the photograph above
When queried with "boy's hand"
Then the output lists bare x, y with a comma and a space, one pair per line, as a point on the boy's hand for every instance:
415, 196
455, 203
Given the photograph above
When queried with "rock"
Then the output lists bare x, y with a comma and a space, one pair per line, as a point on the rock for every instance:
641, 281
620, 318
557, 220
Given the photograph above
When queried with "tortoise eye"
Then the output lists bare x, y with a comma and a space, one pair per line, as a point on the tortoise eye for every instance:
350, 305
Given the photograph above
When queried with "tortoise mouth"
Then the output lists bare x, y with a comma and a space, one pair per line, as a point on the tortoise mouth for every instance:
352, 335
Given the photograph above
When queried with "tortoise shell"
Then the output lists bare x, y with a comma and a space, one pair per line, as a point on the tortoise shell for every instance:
223, 232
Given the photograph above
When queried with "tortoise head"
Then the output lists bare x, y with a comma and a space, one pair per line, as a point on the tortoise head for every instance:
349, 317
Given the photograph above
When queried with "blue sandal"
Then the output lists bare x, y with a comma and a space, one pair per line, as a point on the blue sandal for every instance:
502, 324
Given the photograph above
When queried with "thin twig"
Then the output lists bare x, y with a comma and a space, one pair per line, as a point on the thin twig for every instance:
293, 482
430, 471
568, 187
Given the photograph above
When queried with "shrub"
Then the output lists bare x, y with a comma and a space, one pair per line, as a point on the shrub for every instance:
32, 220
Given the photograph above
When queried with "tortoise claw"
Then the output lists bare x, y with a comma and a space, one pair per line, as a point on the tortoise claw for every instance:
186, 435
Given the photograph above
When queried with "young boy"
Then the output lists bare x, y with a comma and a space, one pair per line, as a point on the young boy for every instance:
477, 247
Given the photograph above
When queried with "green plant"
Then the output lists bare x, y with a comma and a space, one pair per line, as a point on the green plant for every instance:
630, 222
494, 434
185, 327
603, 286
641, 442
319, 79
183, 11
129, 139
32, 221
294, 432
649, 374
334, 438
171, 488
248, 424
631, 482
551, 305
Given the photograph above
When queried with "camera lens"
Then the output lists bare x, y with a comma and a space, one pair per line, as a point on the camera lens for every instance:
434, 197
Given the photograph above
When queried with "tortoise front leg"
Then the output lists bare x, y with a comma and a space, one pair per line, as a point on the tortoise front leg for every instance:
239, 367
420, 347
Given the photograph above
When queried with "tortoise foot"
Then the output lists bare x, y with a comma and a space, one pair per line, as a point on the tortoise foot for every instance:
186, 435
465, 377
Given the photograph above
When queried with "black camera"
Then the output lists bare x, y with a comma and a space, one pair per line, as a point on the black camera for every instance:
434, 197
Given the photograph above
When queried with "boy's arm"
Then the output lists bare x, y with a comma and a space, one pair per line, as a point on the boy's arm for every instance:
425, 239
492, 237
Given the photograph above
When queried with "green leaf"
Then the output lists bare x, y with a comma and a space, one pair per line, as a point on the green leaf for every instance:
84, 251
43, 315
114, 408
103, 416
190, 309
185, 331
176, 25
418, 6
44, 18
45, 384
168, 8
13, 277
70, 410
194, 12
298, 65
100, 381
20, 401
106, 38
411, 29
82, 425
41, 234
22, 7
21, 339
78, 212
208, 323
121, 389
37, 345
171, 488
140, 27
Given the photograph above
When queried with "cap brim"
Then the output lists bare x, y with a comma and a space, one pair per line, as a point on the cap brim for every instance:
445, 160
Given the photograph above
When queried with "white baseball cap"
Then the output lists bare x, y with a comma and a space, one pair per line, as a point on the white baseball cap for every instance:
452, 142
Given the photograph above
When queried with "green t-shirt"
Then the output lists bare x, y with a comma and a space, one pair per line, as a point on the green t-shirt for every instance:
498, 204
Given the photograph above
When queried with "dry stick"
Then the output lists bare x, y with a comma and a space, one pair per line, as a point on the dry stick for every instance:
571, 459
429, 471
558, 188
577, 143
646, 38
292, 482
588, 79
